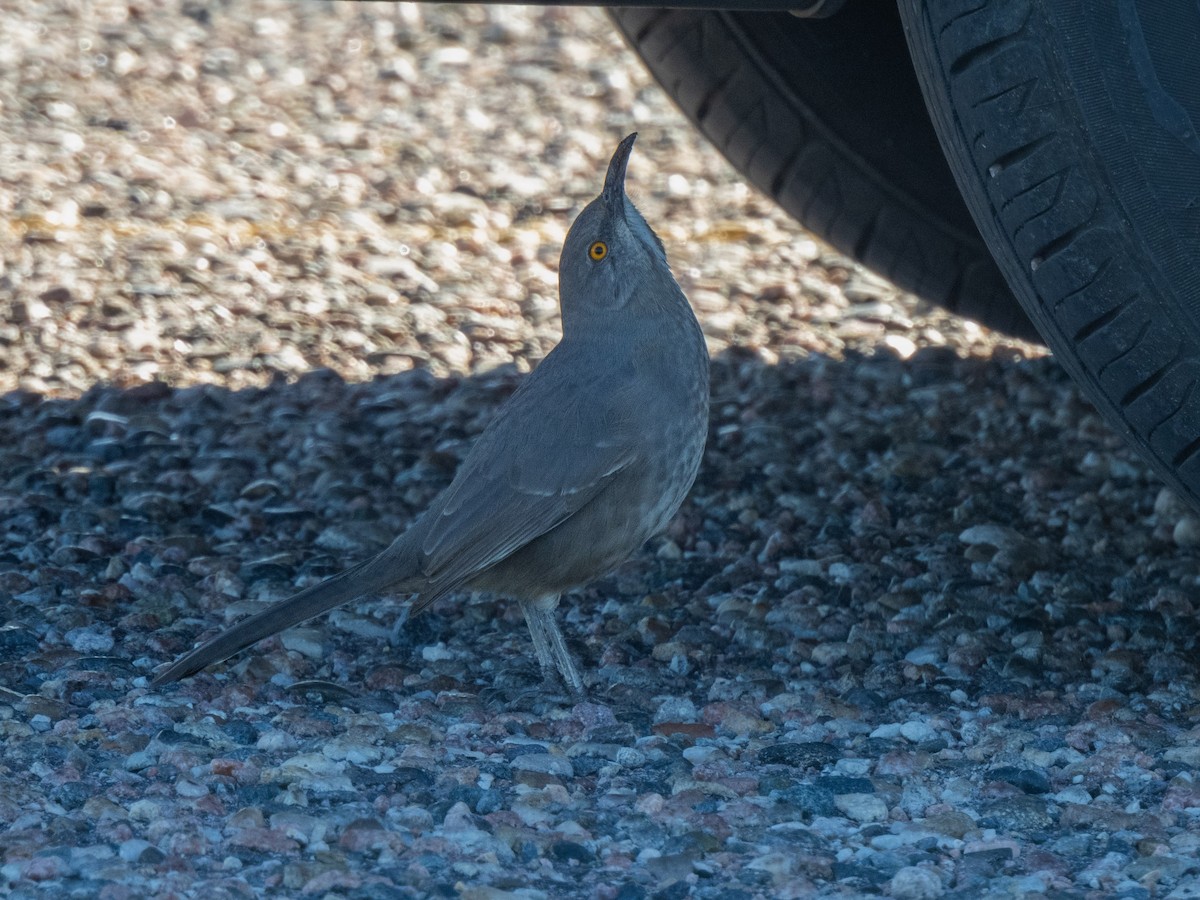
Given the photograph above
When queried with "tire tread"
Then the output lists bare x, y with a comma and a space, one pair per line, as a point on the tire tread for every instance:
1039, 194
765, 130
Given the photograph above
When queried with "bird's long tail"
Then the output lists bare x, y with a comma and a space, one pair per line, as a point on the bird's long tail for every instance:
365, 578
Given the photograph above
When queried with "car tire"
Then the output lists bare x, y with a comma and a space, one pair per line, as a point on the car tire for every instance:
826, 117
1071, 129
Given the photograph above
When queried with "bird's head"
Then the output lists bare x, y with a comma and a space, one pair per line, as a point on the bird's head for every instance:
610, 254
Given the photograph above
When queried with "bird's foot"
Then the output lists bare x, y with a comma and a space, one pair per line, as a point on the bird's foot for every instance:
522, 687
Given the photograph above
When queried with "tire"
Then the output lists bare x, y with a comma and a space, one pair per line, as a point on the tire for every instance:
1071, 128
826, 117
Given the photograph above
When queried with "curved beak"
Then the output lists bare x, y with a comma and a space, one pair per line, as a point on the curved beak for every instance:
614, 182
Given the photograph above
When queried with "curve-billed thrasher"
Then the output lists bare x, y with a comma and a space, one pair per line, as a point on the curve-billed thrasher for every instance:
591, 456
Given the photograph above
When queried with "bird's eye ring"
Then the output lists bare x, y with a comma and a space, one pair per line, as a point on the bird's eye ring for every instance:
598, 251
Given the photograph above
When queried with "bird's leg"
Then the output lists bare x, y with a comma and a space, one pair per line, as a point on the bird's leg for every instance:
398, 628
548, 642
536, 618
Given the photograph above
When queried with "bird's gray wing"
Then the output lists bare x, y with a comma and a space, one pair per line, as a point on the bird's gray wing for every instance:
552, 449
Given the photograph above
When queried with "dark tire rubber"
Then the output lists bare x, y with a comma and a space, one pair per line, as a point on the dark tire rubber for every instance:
1071, 128
826, 117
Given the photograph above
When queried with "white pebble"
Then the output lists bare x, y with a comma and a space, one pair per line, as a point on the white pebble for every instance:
917, 731
1075, 793
275, 740
305, 641
132, 849
546, 763
90, 640
676, 709
144, 810
435, 652
861, 807
1187, 532
916, 883
631, 757
851, 766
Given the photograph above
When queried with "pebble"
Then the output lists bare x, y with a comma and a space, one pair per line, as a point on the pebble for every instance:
436, 652
306, 641
91, 640
916, 883
862, 807
800, 755
917, 731
676, 709
145, 810
1187, 532
630, 757
309, 771
546, 763
133, 849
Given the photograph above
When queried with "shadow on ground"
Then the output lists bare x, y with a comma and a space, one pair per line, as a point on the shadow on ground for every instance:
927, 599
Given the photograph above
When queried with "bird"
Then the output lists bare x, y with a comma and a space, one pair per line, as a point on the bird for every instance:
590, 457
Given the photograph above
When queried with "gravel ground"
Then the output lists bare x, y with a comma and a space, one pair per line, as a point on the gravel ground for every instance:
925, 628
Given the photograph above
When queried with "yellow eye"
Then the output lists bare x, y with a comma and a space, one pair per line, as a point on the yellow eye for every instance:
598, 251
